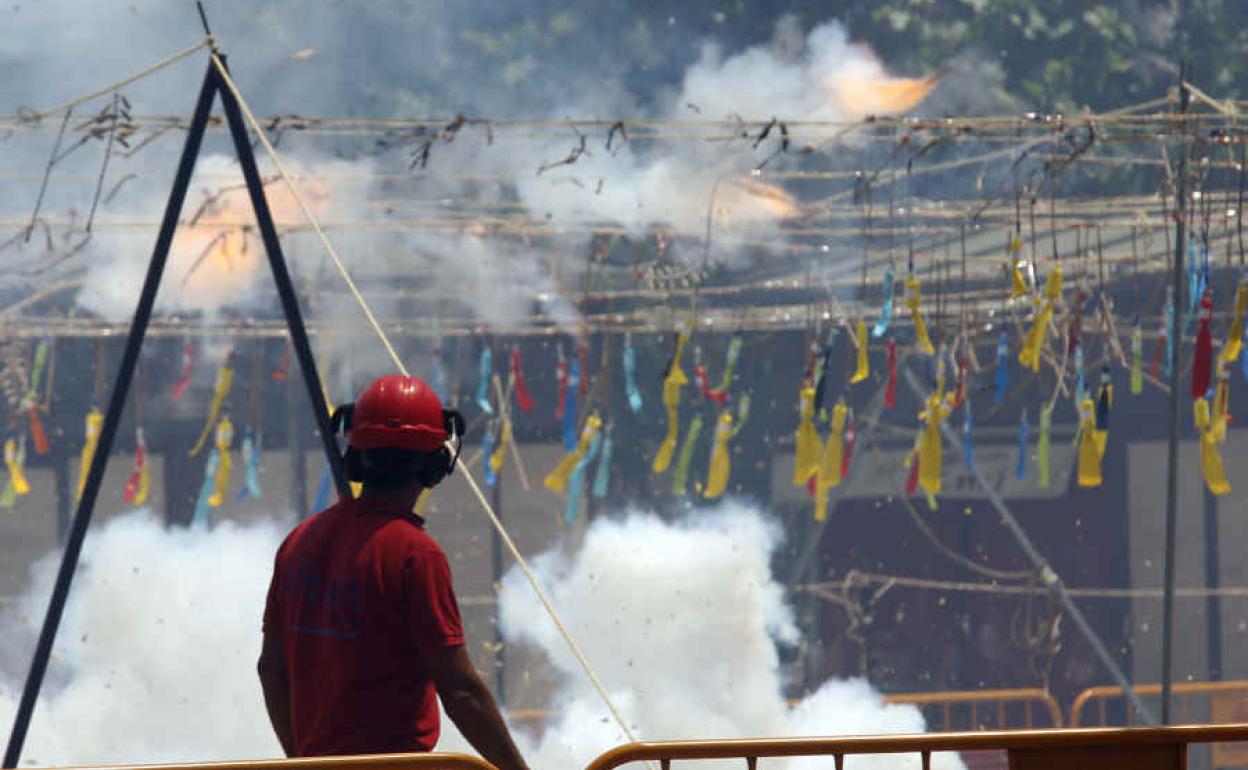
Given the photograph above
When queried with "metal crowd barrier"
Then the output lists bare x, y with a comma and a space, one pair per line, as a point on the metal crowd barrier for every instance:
1020, 708
1149, 748
1140, 748
1213, 702
440, 761
1023, 707
1194, 703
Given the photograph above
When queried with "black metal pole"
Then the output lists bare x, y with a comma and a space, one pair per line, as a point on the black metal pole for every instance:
496, 563
294, 441
116, 403
1213, 603
285, 287
1176, 405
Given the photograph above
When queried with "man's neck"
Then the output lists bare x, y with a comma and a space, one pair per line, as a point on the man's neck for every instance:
403, 497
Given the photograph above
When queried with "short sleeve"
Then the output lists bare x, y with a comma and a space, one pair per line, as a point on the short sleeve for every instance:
432, 620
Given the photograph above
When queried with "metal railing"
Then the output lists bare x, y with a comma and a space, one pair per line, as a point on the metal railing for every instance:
981, 709
1214, 702
441, 761
1148, 748
1151, 748
1022, 707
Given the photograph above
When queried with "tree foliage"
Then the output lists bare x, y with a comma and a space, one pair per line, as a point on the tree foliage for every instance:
1051, 55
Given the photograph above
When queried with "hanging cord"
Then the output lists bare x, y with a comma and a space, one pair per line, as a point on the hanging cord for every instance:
1228, 205
899, 494
381, 334
116, 111
1239, 209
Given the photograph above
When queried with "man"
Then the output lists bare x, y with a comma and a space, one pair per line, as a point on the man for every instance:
361, 628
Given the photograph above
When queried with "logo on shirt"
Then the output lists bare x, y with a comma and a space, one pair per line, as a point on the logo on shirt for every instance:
324, 606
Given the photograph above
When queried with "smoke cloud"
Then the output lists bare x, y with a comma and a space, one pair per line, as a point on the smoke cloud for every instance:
155, 659
502, 221
682, 622
156, 656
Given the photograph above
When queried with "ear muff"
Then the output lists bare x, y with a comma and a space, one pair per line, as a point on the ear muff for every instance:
340, 420
436, 468
442, 463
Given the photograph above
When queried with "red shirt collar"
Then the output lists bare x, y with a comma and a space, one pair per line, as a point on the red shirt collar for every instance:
384, 507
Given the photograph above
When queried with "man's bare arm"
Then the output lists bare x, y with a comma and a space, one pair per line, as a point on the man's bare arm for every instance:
275, 682
471, 707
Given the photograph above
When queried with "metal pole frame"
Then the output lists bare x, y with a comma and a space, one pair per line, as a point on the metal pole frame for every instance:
1172, 446
211, 86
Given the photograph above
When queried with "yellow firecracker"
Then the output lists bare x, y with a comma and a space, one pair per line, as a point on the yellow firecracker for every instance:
225, 463
1029, 356
864, 362
557, 479
914, 302
1018, 283
1235, 337
930, 454
830, 465
221, 389
14, 460
1210, 461
806, 457
721, 465
1091, 449
499, 455
94, 424
672, 383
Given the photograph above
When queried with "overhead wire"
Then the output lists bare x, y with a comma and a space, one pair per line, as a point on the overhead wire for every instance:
1225, 592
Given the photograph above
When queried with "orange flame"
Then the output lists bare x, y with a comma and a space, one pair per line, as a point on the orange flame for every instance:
748, 200
217, 258
864, 88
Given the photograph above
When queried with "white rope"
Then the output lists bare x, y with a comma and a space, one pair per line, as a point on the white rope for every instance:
381, 334
57, 110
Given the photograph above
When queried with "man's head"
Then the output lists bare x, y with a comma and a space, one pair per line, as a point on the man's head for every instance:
397, 434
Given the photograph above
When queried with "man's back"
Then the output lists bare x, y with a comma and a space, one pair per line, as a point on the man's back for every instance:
358, 592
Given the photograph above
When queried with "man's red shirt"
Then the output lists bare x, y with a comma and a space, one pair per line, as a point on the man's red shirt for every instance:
359, 594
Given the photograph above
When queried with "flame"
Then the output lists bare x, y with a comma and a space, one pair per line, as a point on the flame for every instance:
749, 200
216, 260
864, 88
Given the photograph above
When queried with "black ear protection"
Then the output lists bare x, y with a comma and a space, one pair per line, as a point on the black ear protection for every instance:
440, 463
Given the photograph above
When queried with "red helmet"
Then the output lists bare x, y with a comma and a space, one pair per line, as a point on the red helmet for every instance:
399, 412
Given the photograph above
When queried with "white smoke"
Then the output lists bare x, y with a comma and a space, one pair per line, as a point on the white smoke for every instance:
670, 186
500, 222
681, 621
155, 660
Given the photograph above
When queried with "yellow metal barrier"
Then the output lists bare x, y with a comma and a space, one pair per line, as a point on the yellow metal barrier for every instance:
1227, 702
378, 762
1213, 703
1150, 748
1020, 708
